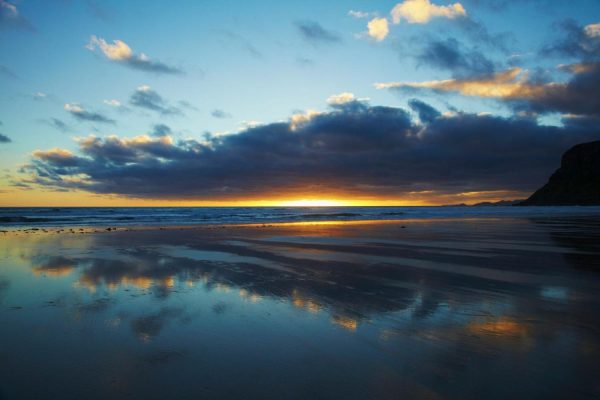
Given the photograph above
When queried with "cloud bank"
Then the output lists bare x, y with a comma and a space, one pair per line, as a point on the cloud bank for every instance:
354, 149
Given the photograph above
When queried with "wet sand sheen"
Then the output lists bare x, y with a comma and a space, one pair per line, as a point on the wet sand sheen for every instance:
455, 308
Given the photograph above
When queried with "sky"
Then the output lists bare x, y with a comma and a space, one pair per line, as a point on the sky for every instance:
416, 102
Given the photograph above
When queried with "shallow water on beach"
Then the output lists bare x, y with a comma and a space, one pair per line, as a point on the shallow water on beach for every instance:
434, 309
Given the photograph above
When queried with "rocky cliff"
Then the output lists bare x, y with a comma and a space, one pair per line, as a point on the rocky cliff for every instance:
576, 182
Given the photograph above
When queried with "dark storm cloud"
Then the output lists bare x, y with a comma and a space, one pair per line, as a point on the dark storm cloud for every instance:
313, 32
426, 113
450, 54
358, 149
11, 18
145, 97
578, 96
159, 130
575, 41
83, 115
4, 139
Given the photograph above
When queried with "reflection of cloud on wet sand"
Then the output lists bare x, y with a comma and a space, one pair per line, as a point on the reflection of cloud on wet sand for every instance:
350, 279
149, 326
55, 267
409, 308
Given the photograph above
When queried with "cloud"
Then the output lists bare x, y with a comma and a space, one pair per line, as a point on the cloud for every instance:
426, 112
7, 72
112, 103
341, 98
10, 18
83, 115
378, 28
220, 114
577, 41
357, 150
449, 54
160, 130
58, 124
592, 30
577, 96
4, 139
121, 53
117, 105
422, 11
145, 97
314, 33
360, 14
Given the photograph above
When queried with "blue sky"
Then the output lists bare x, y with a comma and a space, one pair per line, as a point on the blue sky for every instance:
242, 63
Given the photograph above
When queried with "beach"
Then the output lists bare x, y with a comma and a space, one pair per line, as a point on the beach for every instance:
488, 307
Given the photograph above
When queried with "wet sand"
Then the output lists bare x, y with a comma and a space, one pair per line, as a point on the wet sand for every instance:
433, 309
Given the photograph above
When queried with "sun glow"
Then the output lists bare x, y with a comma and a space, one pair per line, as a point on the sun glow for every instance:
314, 203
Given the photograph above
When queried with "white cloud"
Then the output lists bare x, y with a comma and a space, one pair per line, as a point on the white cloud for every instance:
299, 119
342, 98
378, 28
73, 108
11, 9
422, 11
509, 84
112, 103
143, 88
592, 30
118, 51
359, 14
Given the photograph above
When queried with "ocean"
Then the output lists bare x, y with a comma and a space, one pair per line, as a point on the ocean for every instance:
173, 216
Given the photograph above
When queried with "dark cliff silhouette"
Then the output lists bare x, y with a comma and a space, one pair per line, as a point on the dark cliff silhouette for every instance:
576, 182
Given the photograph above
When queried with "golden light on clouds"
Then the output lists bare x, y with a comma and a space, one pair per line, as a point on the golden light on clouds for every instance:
422, 11
378, 28
510, 84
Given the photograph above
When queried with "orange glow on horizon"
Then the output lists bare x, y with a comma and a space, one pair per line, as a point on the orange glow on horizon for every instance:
38, 198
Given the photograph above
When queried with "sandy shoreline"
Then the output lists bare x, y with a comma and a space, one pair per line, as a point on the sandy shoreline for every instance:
484, 301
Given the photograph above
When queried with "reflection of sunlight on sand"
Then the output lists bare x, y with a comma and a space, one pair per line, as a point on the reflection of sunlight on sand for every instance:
308, 304
300, 301
502, 327
54, 271
140, 282
345, 322
250, 296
